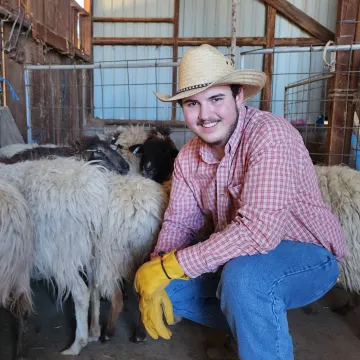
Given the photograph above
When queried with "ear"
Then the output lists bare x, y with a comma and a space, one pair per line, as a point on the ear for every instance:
137, 149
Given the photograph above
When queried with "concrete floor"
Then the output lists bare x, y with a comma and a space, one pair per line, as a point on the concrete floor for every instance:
318, 336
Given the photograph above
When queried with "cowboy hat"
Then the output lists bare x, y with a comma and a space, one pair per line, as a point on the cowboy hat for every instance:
205, 66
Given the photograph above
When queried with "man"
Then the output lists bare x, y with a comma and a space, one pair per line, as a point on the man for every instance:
275, 246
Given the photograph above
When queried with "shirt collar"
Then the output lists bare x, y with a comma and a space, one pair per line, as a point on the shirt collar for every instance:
205, 149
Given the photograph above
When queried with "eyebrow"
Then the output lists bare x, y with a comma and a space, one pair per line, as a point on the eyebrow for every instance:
210, 98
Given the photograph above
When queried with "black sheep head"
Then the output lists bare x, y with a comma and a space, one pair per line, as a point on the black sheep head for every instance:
158, 155
92, 148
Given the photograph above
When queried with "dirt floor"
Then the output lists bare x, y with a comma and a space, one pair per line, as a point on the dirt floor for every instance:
317, 336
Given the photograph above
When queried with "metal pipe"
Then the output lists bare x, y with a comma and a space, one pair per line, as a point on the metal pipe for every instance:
101, 66
27, 104
284, 49
281, 49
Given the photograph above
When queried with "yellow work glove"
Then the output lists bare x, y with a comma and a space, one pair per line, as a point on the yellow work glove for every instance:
152, 311
156, 274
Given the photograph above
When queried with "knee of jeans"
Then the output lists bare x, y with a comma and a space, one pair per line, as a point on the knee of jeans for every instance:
240, 276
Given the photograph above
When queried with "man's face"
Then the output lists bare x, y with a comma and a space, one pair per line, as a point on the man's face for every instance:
213, 114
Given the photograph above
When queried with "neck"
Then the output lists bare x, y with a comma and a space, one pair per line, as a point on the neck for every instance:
218, 151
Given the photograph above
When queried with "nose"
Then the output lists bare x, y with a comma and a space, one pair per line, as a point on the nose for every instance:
147, 165
123, 166
205, 112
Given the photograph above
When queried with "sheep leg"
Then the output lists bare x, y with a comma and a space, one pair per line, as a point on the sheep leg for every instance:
350, 305
22, 340
139, 334
81, 297
95, 329
117, 304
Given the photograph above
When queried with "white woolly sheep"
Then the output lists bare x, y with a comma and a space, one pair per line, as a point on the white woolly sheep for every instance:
135, 213
340, 189
16, 258
68, 201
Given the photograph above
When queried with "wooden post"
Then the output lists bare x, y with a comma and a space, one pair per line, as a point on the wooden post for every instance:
175, 53
268, 66
340, 122
233, 32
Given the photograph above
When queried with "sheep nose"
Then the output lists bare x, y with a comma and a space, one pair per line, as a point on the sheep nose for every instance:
147, 165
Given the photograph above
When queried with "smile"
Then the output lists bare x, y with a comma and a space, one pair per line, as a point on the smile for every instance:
209, 125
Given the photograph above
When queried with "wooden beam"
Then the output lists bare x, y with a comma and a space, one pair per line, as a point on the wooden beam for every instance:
303, 41
301, 19
215, 41
240, 41
340, 124
175, 52
176, 124
87, 6
268, 66
133, 20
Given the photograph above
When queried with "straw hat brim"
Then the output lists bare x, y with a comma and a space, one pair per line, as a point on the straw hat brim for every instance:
252, 82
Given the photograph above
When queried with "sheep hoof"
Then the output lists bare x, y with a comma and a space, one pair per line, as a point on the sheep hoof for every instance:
75, 348
138, 337
94, 334
109, 334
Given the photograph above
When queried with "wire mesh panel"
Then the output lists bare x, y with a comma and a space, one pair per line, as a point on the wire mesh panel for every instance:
66, 101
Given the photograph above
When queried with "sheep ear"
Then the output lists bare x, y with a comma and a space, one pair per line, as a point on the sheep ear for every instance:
137, 149
77, 144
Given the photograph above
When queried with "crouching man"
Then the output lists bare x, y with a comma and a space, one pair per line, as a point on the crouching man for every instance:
275, 245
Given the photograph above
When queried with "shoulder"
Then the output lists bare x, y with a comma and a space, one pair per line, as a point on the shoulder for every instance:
266, 128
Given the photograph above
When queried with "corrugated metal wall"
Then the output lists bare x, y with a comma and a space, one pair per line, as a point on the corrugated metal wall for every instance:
198, 18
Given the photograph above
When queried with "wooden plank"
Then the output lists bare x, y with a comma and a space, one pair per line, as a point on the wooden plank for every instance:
302, 41
339, 128
132, 20
215, 41
301, 19
9, 132
175, 53
268, 66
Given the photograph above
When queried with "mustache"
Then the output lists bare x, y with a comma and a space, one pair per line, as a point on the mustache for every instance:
202, 121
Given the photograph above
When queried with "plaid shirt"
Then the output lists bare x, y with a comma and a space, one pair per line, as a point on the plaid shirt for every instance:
263, 190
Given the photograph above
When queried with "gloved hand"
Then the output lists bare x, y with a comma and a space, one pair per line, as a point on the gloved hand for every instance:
152, 311
155, 275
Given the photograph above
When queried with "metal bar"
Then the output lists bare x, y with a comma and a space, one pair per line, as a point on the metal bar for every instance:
304, 82
301, 49
28, 110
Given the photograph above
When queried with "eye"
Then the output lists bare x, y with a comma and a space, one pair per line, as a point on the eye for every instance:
98, 152
191, 104
217, 99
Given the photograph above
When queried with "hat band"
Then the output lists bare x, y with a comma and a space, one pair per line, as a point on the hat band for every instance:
192, 87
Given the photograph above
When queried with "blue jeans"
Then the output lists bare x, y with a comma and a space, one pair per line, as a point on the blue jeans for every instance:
251, 295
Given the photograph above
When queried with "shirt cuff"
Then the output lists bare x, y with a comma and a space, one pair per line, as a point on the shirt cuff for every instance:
192, 262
